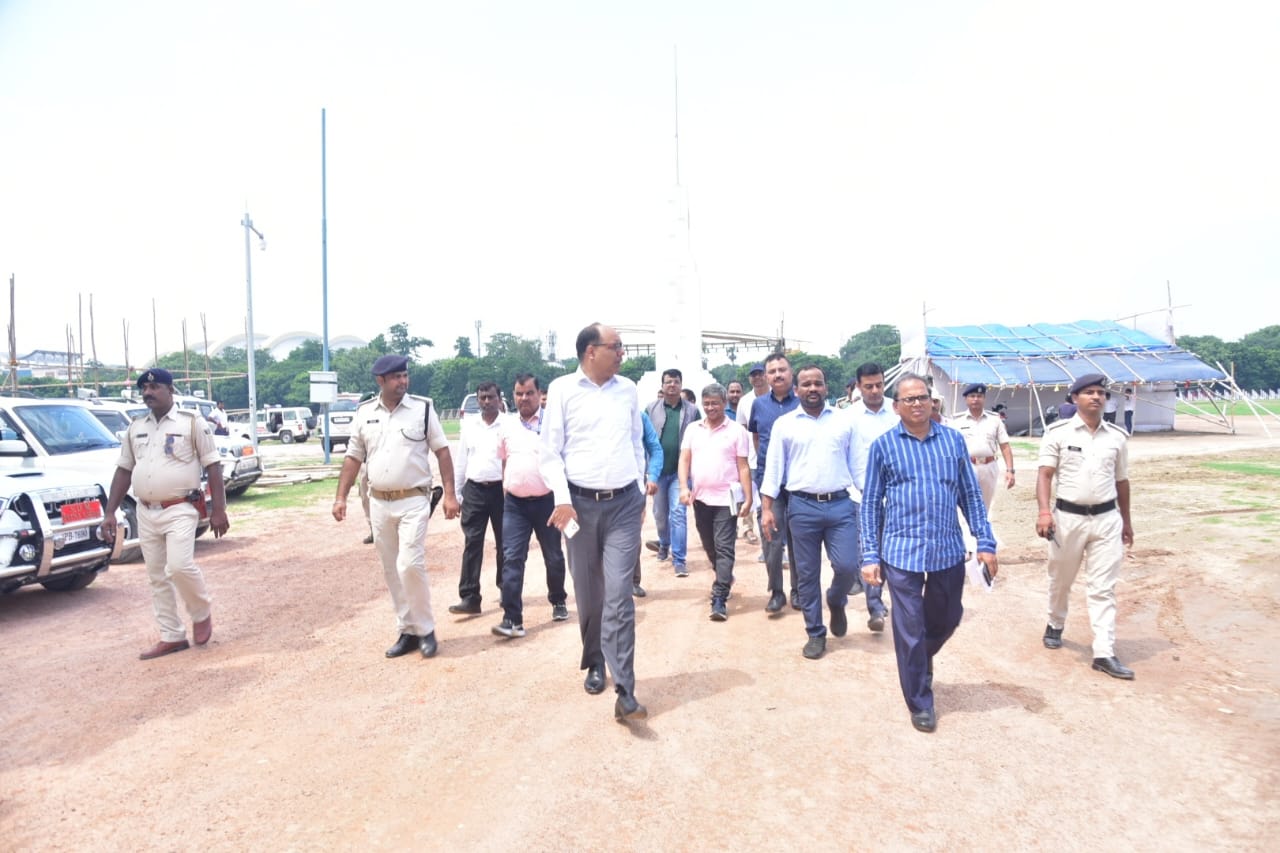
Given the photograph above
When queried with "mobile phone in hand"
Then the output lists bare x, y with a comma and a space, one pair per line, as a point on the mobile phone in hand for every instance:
571, 528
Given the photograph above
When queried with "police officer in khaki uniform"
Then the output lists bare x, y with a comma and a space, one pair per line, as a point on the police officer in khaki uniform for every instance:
1089, 520
985, 436
394, 435
162, 457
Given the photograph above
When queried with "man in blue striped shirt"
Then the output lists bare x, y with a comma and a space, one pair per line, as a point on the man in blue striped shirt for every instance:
809, 460
917, 474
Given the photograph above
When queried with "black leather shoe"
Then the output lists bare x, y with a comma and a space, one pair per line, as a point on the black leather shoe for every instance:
1052, 637
876, 622
404, 645
719, 612
839, 621
427, 645
638, 591
924, 721
795, 599
777, 600
1113, 668
594, 682
627, 708
469, 608
815, 648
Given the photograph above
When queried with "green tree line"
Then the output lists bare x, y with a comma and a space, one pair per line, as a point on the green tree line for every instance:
1255, 359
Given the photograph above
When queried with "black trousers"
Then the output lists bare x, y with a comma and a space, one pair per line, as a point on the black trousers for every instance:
481, 505
718, 530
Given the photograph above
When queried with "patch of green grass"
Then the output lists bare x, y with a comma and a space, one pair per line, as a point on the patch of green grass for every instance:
1213, 519
1266, 518
1234, 409
261, 497
1251, 469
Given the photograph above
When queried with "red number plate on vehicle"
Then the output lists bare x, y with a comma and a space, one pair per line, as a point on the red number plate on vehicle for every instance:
81, 511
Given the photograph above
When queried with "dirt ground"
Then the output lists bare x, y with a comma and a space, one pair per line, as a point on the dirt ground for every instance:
291, 731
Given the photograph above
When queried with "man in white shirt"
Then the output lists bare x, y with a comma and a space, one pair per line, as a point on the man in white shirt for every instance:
872, 419
478, 482
593, 460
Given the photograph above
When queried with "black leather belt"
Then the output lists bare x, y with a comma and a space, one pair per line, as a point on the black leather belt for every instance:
1080, 509
598, 494
824, 497
485, 484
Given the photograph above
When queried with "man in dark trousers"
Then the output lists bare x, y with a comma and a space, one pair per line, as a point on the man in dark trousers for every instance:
478, 483
917, 474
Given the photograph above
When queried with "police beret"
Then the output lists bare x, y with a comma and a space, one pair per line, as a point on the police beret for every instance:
158, 375
1088, 379
975, 388
756, 368
390, 364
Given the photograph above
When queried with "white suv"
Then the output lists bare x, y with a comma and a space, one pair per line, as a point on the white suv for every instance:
287, 423
49, 523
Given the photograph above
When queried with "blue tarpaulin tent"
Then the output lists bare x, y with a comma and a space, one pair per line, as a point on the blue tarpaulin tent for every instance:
1022, 364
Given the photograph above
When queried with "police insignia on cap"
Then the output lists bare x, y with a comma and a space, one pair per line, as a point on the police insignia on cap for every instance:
1088, 379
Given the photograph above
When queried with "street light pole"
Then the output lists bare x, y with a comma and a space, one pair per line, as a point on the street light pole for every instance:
248, 281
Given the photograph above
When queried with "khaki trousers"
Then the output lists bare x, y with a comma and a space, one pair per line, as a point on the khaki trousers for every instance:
1091, 541
987, 476
400, 537
168, 539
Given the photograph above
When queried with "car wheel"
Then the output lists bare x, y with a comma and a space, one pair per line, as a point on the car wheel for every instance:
286, 437
237, 492
129, 554
67, 583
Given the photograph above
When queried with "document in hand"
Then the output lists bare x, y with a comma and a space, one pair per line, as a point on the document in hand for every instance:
977, 574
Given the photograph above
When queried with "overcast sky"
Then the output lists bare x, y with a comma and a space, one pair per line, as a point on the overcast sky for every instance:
511, 162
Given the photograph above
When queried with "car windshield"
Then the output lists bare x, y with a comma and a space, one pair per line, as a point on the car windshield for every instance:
344, 406
111, 419
66, 429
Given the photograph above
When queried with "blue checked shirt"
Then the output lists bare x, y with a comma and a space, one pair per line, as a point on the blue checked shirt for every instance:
913, 488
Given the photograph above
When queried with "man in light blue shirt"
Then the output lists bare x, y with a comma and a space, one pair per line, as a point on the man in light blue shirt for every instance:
809, 457
917, 474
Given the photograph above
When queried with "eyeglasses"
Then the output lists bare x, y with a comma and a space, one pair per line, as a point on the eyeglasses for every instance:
918, 400
616, 347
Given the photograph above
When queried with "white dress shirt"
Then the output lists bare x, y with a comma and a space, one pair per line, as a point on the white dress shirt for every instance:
592, 435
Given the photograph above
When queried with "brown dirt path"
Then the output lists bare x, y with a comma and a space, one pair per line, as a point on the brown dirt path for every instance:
291, 731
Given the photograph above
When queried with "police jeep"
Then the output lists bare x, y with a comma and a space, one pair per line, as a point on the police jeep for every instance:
49, 531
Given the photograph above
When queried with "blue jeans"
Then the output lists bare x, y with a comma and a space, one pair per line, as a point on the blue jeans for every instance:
814, 524
670, 519
523, 518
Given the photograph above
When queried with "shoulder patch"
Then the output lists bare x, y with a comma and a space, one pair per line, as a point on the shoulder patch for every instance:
1116, 429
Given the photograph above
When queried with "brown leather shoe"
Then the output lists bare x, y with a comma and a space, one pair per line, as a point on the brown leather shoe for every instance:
163, 648
203, 630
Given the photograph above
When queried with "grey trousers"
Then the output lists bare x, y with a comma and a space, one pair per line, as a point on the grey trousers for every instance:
601, 558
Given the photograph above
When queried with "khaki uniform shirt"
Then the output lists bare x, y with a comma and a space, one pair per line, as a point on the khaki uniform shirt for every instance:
1089, 464
167, 457
396, 445
984, 435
